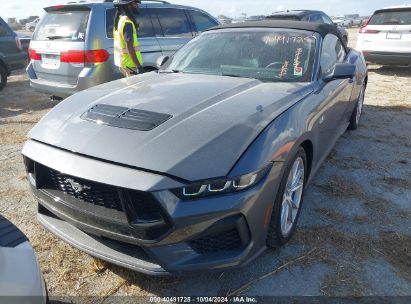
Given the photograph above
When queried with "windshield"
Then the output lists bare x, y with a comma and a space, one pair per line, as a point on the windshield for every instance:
268, 55
63, 25
400, 17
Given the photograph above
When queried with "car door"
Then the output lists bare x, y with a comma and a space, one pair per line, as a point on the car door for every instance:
172, 29
336, 94
149, 46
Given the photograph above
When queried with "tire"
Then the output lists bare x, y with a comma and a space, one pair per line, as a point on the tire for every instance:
356, 114
345, 39
3, 77
280, 231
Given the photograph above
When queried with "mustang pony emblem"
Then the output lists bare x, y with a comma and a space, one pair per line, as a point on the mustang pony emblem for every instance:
78, 188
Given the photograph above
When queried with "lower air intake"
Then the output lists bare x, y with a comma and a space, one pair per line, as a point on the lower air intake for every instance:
227, 241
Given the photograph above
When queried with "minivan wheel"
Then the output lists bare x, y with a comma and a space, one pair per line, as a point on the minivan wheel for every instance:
356, 114
3, 77
287, 205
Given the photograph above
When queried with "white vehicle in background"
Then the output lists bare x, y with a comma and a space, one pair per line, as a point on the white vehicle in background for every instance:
386, 37
31, 26
342, 21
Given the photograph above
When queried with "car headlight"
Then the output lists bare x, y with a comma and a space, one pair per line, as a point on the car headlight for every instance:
221, 186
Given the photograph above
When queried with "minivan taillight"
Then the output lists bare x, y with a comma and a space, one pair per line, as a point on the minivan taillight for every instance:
362, 29
92, 56
34, 55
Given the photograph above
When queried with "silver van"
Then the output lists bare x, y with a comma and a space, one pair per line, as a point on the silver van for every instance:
72, 46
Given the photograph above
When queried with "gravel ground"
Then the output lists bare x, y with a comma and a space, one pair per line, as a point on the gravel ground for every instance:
354, 235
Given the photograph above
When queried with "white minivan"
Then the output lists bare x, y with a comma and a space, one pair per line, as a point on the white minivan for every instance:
386, 37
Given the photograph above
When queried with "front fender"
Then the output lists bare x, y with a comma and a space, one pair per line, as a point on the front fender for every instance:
278, 141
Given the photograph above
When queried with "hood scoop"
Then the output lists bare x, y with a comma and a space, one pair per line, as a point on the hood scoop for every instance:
125, 118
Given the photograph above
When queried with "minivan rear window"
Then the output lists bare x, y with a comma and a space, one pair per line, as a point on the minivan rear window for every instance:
396, 17
63, 25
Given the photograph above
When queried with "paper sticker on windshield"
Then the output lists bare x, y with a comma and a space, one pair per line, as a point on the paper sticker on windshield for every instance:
298, 70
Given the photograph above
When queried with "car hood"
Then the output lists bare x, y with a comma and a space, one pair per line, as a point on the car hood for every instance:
214, 120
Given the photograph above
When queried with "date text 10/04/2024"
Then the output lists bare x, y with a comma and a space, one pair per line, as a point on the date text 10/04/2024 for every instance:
236, 299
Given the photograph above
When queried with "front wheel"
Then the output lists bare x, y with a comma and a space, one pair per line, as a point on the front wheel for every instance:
287, 205
356, 114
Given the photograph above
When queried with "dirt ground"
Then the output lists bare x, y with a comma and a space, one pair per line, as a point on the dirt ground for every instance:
354, 234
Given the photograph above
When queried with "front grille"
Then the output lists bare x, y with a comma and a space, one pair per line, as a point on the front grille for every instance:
219, 242
121, 212
84, 190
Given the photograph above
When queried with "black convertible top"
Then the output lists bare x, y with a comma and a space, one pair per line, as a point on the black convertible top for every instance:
322, 28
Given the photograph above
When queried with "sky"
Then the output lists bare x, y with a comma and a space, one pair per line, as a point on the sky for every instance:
232, 8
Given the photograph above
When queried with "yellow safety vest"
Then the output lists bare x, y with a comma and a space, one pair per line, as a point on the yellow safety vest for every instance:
122, 58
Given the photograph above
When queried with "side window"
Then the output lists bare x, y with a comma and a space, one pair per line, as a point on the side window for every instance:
145, 28
3, 31
316, 18
332, 52
327, 20
173, 22
110, 22
201, 21
3, 28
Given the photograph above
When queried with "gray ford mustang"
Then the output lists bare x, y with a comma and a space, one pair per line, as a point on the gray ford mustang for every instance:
203, 164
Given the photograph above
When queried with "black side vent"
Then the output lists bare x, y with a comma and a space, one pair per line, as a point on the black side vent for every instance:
103, 114
121, 117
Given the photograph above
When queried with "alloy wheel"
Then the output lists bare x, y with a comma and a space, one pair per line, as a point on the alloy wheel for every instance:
292, 196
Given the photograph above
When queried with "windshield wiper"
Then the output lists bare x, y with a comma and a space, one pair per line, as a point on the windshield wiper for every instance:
57, 37
171, 71
230, 75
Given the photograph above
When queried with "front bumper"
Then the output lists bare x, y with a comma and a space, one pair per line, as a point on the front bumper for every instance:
209, 234
387, 58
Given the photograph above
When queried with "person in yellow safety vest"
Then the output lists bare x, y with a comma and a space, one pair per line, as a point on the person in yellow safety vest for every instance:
127, 55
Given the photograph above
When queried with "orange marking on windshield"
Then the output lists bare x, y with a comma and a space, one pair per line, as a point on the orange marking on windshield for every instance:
297, 62
284, 70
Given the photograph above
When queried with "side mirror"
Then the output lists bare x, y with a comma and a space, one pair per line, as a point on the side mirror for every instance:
341, 71
161, 61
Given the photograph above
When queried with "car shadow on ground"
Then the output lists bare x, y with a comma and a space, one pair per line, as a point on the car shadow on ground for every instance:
390, 70
19, 98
